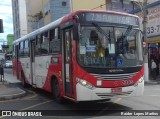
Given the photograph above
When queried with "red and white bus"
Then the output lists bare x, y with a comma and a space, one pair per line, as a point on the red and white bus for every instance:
84, 56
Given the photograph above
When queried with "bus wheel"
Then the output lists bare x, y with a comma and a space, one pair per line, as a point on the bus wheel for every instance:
24, 84
56, 91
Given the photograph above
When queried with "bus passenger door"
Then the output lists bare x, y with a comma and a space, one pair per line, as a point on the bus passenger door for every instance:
67, 59
32, 61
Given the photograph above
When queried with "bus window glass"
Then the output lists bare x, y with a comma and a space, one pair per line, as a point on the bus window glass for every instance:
108, 47
38, 45
67, 40
45, 43
21, 51
126, 46
52, 34
26, 48
54, 41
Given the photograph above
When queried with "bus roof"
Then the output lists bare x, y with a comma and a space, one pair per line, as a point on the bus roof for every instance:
63, 20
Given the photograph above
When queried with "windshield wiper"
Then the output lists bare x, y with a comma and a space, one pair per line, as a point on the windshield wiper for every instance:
127, 32
102, 32
123, 37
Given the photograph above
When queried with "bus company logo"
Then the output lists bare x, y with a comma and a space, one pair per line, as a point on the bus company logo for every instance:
116, 70
127, 82
19, 113
6, 113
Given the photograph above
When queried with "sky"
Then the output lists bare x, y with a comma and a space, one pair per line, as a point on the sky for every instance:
6, 16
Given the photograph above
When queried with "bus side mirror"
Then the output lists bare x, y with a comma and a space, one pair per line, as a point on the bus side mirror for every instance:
75, 31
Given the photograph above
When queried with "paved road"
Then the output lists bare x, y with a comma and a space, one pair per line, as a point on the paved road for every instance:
40, 100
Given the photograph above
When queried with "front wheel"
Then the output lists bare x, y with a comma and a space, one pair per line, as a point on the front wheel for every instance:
56, 91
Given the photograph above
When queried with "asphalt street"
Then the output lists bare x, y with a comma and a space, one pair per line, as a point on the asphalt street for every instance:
39, 100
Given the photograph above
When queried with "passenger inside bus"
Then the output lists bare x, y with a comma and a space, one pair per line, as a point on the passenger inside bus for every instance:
94, 40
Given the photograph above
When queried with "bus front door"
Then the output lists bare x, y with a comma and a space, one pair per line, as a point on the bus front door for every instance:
67, 67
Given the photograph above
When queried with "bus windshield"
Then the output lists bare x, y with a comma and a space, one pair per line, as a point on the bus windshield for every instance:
109, 47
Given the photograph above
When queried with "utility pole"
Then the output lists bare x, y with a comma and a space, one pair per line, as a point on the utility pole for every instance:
146, 70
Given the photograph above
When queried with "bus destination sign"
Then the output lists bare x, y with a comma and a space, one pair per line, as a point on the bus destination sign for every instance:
111, 18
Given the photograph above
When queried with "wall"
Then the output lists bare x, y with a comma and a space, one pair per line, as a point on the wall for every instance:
88, 4
57, 9
153, 21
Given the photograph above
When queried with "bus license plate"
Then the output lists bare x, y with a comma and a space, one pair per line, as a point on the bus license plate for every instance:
116, 90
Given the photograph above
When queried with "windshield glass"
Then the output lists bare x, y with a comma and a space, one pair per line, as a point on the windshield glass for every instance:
109, 47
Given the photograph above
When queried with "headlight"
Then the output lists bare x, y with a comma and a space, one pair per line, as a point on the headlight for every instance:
85, 83
140, 80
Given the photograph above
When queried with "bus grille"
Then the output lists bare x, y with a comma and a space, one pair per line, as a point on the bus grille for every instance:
110, 95
114, 76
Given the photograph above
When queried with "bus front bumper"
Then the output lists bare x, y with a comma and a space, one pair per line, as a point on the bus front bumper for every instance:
86, 94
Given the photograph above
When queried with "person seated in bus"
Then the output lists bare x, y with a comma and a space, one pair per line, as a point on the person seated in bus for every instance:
100, 52
95, 41
92, 46
94, 38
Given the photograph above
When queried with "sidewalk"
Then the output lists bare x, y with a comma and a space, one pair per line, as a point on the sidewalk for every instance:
8, 89
153, 82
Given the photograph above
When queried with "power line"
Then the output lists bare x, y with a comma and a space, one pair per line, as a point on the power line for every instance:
99, 6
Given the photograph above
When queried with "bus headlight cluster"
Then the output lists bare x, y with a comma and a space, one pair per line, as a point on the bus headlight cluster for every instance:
139, 81
85, 83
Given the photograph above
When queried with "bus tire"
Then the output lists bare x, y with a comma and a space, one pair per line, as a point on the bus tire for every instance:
24, 84
56, 91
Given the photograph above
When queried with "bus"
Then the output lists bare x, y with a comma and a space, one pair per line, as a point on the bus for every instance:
87, 55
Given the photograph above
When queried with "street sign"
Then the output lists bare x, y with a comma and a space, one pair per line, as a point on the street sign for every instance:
119, 62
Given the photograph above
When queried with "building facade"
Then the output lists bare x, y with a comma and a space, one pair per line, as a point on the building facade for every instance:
19, 18
34, 14
153, 31
41, 12
50, 10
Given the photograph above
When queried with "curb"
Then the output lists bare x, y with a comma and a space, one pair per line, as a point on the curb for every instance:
18, 93
13, 96
150, 82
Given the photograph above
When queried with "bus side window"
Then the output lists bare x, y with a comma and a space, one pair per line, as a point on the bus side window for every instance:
38, 45
26, 48
54, 41
52, 36
45, 43
21, 51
